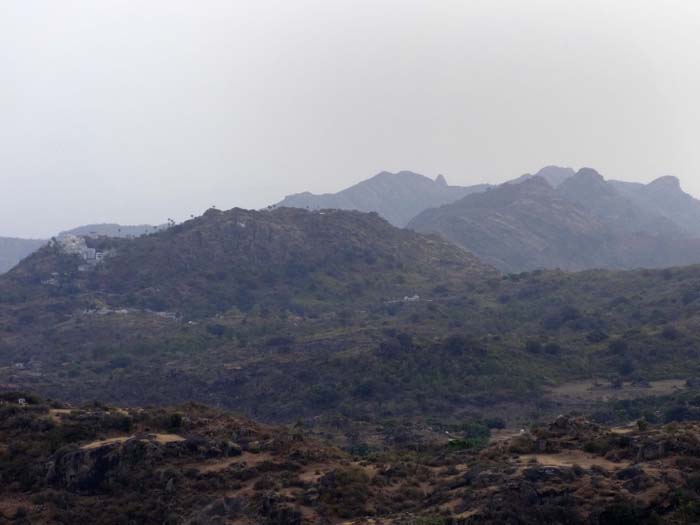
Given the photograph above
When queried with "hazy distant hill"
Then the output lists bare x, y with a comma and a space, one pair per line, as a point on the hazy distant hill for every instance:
521, 226
398, 197
666, 198
584, 223
111, 230
589, 189
14, 250
554, 175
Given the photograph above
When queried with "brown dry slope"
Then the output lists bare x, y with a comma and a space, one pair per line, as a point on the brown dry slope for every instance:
196, 465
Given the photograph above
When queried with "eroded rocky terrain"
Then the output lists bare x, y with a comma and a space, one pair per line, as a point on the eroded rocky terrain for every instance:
191, 464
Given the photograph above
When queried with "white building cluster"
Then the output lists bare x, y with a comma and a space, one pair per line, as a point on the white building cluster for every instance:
75, 245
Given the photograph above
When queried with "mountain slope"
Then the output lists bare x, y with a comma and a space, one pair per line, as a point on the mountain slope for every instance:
554, 175
584, 223
521, 226
590, 190
14, 250
240, 258
666, 198
398, 197
301, 315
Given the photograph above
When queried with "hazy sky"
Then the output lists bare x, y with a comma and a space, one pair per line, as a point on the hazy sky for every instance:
133, 111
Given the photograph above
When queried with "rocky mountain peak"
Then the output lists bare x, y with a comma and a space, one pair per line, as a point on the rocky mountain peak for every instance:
589, 174
669, 182
440, 179
534, 183
555, 175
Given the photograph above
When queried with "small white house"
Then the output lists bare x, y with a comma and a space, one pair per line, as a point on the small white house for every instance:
22, 402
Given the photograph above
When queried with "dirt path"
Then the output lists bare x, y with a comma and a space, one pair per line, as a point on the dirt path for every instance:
218, 465
57, 413
569, 458
162, 439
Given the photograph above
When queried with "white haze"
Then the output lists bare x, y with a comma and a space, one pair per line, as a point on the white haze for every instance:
136, 112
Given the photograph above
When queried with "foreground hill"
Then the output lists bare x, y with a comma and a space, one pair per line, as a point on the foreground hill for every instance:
13, 251
398, 197
583, 223
191, 464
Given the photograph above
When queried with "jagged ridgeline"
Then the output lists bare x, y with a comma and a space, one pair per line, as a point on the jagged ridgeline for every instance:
285, 258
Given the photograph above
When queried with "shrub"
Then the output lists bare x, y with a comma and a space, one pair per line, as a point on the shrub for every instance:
552, 349
345, 491
217, 330
533, 347
597, 336
618, 346
460, 344
495, 423
670, 333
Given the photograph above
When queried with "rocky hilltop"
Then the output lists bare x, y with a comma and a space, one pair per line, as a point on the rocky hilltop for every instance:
665, 197
240, 258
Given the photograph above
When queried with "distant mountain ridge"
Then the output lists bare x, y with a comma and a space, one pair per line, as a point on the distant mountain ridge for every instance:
554, 175
398, 197
585, 222
590, 190
658, 216
14, 250
111, 230
664, 196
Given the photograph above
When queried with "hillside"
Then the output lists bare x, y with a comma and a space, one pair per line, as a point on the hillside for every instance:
583, 223
191, 464
554, 175
666, 198
522, 226
285, 258
601, 198
398, 197
304, 314
13, 251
